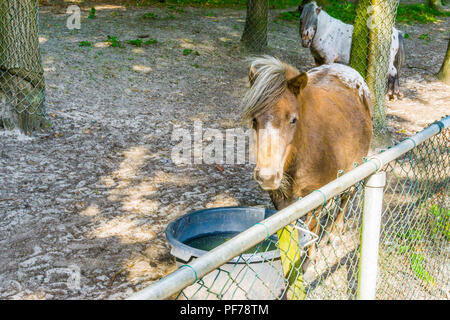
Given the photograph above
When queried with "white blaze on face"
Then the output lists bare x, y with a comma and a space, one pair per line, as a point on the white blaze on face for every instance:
270, 151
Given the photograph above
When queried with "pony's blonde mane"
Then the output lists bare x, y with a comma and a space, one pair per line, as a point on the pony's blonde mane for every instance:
268, 87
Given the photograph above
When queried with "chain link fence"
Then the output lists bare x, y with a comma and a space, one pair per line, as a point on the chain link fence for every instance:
22, 87
295, 264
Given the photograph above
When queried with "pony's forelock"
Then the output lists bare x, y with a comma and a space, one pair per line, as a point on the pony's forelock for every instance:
268, 86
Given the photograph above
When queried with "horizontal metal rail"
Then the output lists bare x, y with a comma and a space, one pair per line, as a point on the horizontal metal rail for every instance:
188, 275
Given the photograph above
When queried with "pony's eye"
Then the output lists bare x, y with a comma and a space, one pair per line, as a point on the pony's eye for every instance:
254, 122
293, 120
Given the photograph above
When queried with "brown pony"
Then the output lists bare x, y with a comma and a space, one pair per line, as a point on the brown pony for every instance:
308, 125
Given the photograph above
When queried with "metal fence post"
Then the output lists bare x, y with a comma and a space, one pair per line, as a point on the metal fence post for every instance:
370, 235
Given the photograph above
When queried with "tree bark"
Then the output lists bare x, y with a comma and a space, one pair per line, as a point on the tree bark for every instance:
370, 53
444, 72
255, 31
435, 4
22, 88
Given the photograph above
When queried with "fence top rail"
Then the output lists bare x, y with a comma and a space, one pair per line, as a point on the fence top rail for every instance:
189, 274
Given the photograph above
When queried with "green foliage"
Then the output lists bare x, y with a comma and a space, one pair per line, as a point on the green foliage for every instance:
114, 42
425, 36
274, 4
140, 42
136, 42
289, 15
151, 41
154, 16
85, 44
150, 15
411, 235
417, 266
175, 8
418, 13
345, 11
187, 52
92, 13
440, 225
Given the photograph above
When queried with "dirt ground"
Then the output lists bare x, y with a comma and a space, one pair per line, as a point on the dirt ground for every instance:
95, 193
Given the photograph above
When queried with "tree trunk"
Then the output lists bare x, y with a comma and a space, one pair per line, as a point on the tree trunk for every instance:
435, 4
370, 53
360, 39
444, 73
255, 31
22, 88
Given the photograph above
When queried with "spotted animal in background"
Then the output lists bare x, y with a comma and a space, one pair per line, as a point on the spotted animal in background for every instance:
330, 40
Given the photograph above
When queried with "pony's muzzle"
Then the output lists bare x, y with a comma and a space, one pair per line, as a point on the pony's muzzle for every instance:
268, 178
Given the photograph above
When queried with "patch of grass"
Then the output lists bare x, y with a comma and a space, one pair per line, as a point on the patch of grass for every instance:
187, 52
115, 43
176, 9
150, 15
85, 44
426, 37
136, 42
418, 13
273, 4
345, 11
92, 13
151, 41
289, 15
154, 16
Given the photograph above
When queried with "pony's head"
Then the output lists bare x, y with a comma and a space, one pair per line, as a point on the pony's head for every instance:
271, 107
308, 22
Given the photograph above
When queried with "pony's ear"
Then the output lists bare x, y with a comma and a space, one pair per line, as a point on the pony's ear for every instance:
318, 9
297, 83
252, 75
